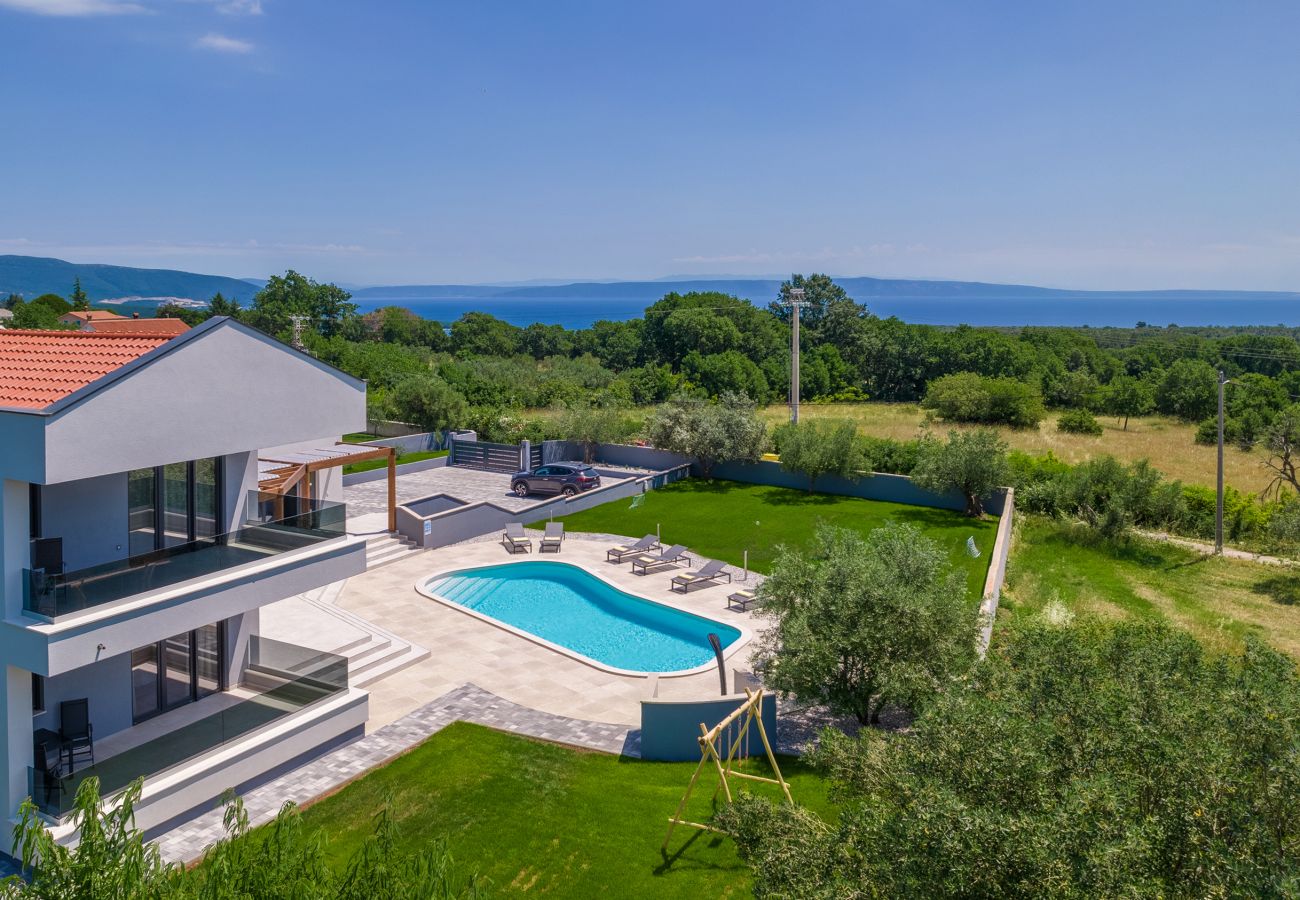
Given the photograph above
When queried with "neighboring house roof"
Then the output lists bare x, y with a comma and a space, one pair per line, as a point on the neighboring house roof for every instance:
81, 317
38, 368
6, 313
169, 327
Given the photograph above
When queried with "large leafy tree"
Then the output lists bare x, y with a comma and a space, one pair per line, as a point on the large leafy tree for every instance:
710, 431
325, 307
1079, 760
1188, 390
821, 295
971, 463
482, 334
1127, 396
859, 623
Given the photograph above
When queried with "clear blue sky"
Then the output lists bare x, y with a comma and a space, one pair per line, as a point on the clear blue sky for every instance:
1093, 144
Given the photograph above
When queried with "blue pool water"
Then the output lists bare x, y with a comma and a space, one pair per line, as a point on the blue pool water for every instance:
570, 607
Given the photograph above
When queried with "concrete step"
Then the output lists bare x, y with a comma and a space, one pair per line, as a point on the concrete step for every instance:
385, 548
380, 653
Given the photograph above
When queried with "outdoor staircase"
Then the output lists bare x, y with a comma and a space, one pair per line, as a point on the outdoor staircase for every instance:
385, 548
376, 653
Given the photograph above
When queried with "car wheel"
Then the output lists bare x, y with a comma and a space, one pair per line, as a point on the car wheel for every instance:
521, 489
569, 491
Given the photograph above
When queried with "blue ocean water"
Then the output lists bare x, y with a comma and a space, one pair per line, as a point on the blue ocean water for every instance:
570, 607
580, 312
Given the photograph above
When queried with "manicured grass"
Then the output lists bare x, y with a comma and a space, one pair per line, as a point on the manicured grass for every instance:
401, 458
1166, 442
1218, 600
722, 519
542, 819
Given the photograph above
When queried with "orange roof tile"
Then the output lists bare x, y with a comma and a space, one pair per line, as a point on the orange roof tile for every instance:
77, 316
169, 327
38, 368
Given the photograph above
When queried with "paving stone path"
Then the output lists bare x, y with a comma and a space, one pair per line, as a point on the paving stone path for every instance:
466, 703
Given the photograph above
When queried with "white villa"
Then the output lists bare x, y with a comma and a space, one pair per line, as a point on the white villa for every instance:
136, 552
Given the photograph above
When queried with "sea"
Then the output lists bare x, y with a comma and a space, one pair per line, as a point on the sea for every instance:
581, 312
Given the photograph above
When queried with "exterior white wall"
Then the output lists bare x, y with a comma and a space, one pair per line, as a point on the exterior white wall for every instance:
15, 545
227, 390
106, 684
241, 477
16, 742
91, 516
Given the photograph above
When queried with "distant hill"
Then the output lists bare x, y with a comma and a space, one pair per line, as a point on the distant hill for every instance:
32, 276
763, 290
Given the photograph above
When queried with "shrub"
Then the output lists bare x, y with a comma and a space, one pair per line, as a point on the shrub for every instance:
891, 456
970, 397
820, 447
711, 432
1078, 421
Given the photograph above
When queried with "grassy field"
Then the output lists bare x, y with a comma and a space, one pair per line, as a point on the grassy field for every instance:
1166, 442
1218, 600
537, 818
722, 519
401, 458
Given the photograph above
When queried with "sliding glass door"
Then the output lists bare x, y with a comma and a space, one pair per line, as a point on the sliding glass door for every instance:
177, 670
175, 504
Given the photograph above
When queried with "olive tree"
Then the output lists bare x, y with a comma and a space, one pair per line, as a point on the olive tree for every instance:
861, 622
709, 431
590, 423
1081, 759
821, 447
972, 463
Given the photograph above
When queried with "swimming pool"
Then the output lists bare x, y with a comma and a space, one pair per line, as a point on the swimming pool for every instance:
569, 607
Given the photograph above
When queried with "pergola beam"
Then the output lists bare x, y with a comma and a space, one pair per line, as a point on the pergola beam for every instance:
344, 459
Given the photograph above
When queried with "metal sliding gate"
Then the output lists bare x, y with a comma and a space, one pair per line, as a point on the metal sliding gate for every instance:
492, 457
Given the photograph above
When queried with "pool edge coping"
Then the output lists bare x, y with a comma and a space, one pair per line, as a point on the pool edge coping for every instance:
746, 634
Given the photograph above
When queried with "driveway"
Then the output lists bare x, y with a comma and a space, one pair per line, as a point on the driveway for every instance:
470, 485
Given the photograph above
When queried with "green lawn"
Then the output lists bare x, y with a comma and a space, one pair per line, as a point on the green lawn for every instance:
359, 437
542, 819
1218, 600
401, 458
722, 519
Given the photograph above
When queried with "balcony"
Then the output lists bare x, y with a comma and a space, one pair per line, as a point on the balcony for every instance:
280, 680
51, 596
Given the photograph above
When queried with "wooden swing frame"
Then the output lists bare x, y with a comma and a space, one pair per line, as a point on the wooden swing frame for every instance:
752, 710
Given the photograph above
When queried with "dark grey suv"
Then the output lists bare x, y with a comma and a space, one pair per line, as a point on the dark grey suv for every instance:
568, 478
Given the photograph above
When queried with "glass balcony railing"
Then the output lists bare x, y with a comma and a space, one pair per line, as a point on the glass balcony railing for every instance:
279, 679
52, 596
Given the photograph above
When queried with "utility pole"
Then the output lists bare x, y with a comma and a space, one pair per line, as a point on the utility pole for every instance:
298, 322
796, 303
1218, 504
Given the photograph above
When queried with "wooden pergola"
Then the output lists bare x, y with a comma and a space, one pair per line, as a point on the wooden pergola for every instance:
297, 473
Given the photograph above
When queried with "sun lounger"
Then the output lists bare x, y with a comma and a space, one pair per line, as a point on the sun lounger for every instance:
513, 538
741, 600
618, 554
673, 555
708, 573
553, 537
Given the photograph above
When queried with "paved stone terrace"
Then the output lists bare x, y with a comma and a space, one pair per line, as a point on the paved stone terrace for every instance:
466, 703
470, 485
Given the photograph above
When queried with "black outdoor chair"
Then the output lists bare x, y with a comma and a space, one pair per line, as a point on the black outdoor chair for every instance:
49, 775
75, 730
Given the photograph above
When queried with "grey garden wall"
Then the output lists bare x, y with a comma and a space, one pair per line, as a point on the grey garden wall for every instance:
439, 529
413, 443
670, 729
876, 486
404, 469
